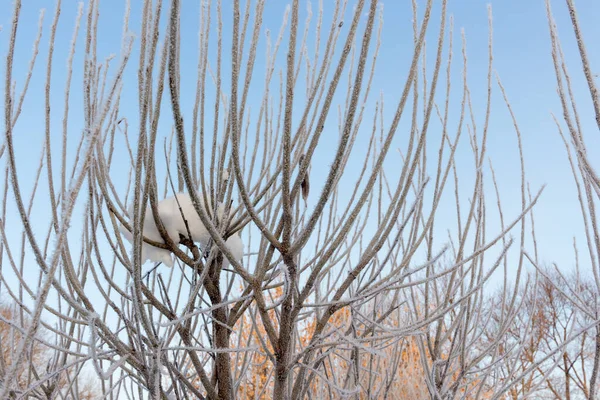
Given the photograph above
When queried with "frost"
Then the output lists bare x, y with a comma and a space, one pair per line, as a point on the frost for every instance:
174, 220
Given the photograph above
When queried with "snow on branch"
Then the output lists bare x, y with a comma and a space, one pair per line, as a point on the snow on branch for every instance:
179, 218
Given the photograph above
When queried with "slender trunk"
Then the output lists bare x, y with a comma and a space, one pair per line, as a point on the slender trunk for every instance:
281, 373
282, 356
567, 376
594, 377
221, 336
224, 383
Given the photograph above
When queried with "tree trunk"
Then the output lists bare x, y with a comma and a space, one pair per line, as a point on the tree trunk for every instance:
594, 377
221, 337
567, 376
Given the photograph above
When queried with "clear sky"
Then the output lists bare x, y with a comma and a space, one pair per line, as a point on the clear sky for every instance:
521, 58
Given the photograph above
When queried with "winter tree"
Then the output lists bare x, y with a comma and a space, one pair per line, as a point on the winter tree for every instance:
267, 222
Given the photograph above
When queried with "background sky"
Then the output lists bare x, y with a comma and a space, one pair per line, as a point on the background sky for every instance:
522, 59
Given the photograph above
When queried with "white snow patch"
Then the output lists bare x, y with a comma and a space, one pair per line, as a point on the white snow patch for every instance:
225, 174
236, 246
173, 218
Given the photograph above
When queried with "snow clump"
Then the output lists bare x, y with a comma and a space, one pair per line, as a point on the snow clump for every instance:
174, 222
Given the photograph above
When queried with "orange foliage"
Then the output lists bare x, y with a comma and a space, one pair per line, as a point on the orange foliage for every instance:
393, 370
257, 384
406, 383
38, 356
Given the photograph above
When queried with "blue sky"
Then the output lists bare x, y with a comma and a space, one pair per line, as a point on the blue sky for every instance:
521, 58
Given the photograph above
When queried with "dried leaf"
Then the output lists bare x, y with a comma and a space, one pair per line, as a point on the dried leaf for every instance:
305, 185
